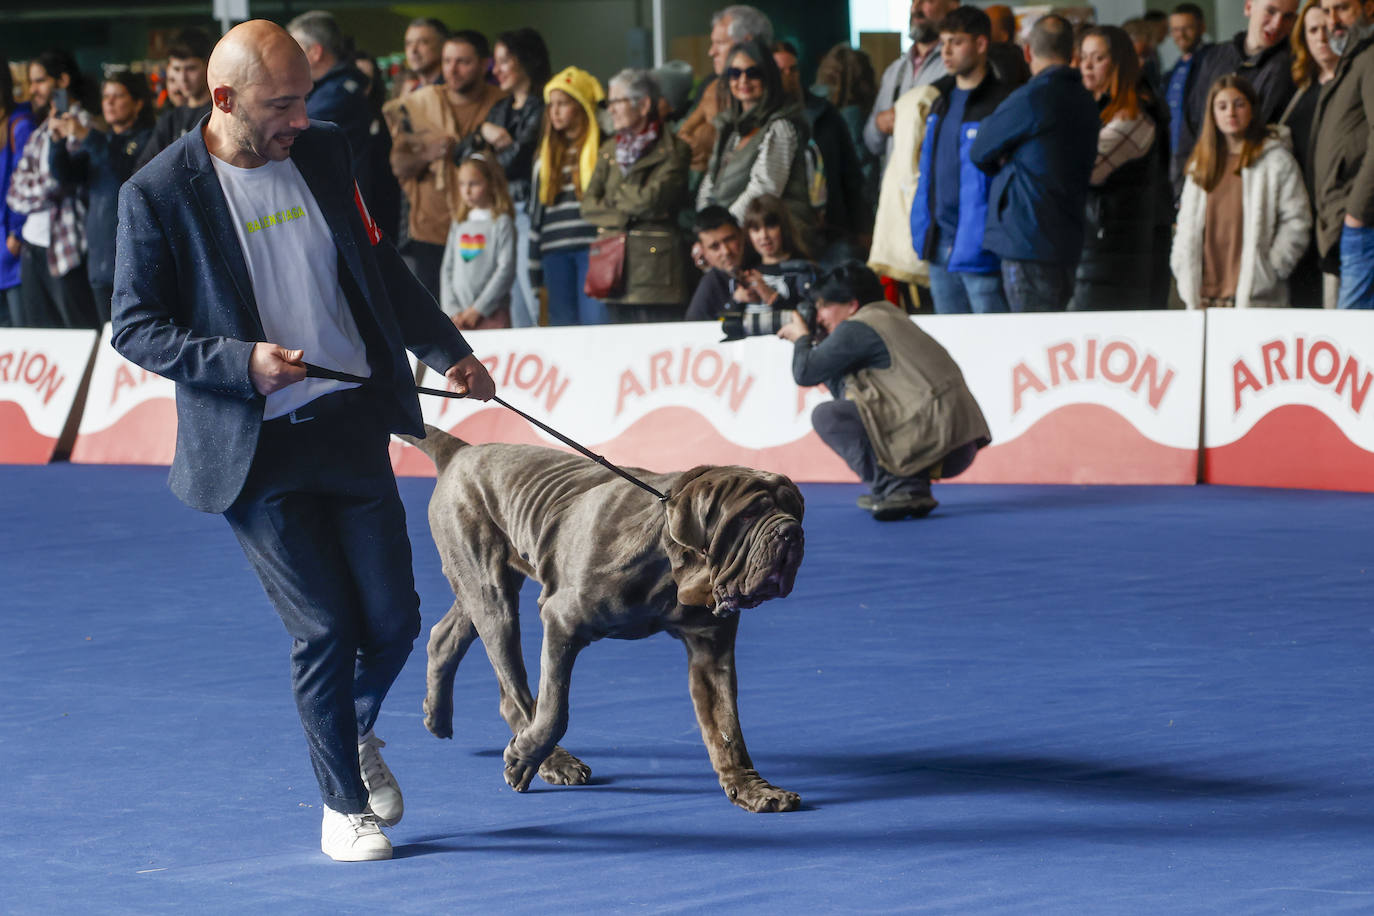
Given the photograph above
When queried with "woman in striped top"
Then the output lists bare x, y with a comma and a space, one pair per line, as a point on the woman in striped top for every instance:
559, 236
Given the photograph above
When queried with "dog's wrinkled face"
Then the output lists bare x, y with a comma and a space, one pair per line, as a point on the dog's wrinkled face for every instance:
738, 536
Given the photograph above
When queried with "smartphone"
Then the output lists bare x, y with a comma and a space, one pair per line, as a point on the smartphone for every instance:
59, 101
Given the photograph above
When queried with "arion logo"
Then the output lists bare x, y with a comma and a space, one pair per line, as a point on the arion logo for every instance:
1317, 363
33, 369
1117, 363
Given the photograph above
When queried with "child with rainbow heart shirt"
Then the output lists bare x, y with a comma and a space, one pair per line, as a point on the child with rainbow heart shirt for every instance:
479, 260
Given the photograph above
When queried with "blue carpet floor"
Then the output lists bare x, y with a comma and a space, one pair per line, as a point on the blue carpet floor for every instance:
1039, 700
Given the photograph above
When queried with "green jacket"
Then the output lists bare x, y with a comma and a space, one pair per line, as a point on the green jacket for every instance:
645, 203
917, 410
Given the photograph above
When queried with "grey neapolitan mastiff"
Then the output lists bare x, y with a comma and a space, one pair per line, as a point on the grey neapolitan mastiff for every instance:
613, 561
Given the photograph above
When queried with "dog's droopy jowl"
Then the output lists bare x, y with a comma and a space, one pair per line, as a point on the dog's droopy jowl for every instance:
613, 561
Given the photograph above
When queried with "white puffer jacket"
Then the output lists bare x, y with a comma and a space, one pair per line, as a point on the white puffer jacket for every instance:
1277, 229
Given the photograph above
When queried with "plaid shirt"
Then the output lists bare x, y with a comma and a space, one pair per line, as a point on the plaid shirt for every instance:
33, 188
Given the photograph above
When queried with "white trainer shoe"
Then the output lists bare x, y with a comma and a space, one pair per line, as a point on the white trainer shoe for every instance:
353, 837
384, 795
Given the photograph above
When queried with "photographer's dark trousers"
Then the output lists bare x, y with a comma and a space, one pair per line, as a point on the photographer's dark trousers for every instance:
322, 523
840, 427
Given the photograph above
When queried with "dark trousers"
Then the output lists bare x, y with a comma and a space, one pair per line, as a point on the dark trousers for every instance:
101, 296
53, 302
1037, 286
840, 427
321, 522
426, 262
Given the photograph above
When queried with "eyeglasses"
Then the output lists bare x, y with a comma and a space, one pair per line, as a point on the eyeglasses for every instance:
610, 102
748, 73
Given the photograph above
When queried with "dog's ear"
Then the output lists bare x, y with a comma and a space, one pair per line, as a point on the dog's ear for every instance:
686, 510
689, 538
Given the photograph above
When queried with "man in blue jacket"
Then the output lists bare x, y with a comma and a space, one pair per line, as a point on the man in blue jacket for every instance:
1039, 146
244, 250
950, 209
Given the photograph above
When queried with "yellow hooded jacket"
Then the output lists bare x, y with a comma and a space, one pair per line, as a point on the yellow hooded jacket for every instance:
583, 87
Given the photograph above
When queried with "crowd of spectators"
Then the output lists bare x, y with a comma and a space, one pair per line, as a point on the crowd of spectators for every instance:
995, 166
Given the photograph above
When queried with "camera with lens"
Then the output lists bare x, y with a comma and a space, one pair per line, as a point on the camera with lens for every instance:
762, 321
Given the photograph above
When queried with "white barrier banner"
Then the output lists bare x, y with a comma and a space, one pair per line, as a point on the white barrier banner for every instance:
665, 397
1070, 398
40, 374
1082, 397
1290, 398
130, 415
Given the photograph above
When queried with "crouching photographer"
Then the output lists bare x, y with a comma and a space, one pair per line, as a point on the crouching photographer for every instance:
902, 415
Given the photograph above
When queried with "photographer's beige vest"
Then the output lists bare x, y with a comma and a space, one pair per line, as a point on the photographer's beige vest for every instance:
918, 410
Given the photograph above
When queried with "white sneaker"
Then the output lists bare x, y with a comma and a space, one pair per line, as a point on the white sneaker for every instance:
353, 837
384, 795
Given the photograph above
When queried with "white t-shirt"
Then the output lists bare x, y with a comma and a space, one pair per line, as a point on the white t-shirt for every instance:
294, 267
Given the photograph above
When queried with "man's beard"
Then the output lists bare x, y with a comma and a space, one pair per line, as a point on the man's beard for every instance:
923, 32
1338, 41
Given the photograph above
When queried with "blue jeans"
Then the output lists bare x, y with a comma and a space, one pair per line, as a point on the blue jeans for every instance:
564, 273
1357, 268
323, 526
956, 292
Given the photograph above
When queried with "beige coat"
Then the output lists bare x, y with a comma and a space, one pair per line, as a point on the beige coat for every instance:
892, 253
919, 409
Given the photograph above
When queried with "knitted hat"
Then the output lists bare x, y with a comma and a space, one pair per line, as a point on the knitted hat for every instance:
583, 87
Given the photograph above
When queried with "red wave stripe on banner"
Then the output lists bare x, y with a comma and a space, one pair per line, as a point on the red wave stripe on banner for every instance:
21, 443
666, 439
1109, 450
1292, 446
147, 434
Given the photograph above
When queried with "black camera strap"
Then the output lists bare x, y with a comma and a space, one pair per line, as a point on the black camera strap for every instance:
313, 371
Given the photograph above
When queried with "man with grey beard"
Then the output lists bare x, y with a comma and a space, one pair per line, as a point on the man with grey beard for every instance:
1343, 171
920, 66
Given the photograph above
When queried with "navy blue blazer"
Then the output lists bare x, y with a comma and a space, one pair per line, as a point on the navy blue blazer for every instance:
184, 307
1039, 145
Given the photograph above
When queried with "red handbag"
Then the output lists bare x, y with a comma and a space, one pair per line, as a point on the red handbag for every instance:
606, 267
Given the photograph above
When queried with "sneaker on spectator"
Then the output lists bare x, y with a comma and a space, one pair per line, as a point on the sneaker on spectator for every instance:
865, 502
353, 837
384, 794
903, 505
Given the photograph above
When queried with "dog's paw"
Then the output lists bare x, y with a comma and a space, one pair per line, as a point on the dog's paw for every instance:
753, 793
438, 718
519, 772
563, 769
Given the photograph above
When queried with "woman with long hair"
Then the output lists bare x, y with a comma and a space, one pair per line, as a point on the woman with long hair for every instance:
1314, 65
16, 123
761, 140
1243, 221
560, 239
55, 293
520, 63
1129, 178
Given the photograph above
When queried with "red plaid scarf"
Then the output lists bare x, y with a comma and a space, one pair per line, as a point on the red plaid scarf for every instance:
630, 146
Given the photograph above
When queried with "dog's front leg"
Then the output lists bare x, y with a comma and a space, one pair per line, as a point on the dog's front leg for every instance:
533, 743
711, 676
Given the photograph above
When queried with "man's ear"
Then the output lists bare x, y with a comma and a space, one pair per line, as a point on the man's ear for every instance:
224, 98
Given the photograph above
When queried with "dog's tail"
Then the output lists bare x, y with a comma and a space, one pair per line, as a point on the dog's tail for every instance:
437, 444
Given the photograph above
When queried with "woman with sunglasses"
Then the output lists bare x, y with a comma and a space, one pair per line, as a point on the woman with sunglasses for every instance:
761, 141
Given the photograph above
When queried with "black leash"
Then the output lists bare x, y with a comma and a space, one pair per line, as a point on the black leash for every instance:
313, 371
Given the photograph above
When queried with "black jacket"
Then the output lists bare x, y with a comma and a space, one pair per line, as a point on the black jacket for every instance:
517, 160
1270, 72
103, 162
341, 96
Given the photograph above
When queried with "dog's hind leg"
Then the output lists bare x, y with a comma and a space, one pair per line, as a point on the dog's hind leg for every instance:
449, 640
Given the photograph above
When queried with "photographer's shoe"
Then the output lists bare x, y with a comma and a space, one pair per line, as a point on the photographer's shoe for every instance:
353, 837
383, 792
865, 502
903, 505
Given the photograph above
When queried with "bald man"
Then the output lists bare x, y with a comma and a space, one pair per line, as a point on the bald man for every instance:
244, 251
